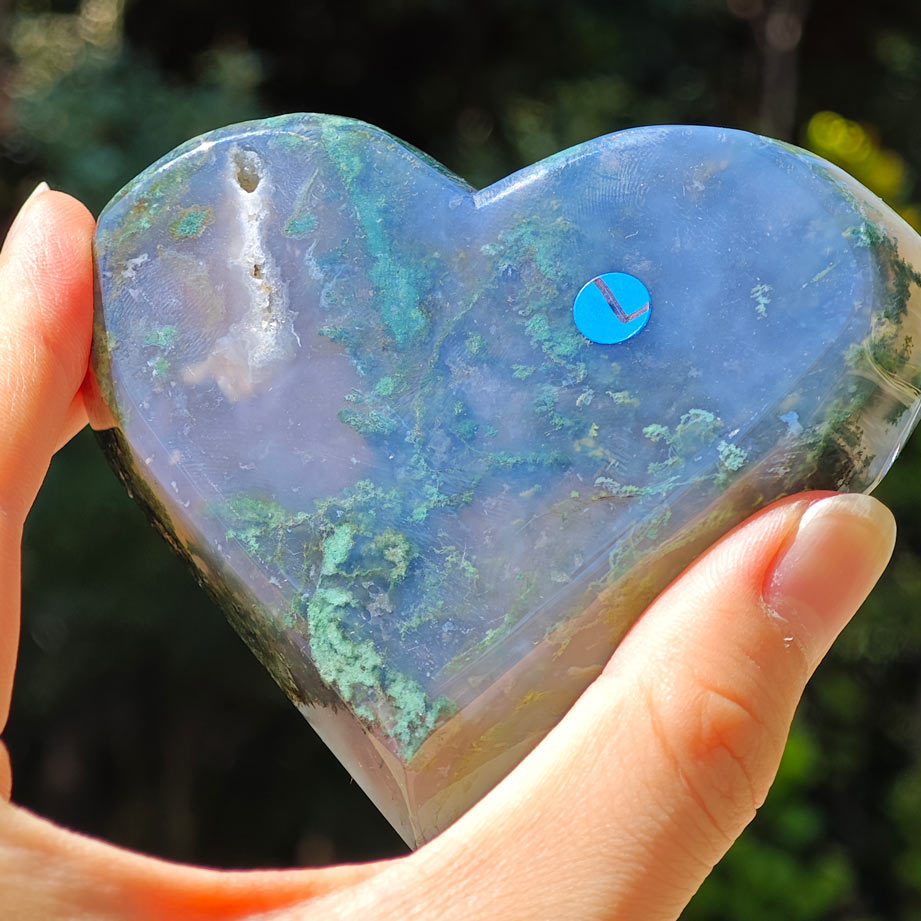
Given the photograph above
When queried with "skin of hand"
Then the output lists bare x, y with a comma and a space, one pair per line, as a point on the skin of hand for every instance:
620, 813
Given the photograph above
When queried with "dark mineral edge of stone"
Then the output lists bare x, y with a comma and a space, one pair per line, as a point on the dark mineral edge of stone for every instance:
350, 391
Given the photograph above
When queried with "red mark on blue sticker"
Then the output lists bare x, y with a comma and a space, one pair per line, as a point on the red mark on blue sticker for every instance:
611, 308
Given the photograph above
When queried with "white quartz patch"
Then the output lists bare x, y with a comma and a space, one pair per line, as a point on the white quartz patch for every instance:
247, 356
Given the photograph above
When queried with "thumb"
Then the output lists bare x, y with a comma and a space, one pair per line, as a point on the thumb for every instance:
622, 811
46, 303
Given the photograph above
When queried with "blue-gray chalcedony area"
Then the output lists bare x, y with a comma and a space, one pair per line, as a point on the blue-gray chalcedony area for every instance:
350, 390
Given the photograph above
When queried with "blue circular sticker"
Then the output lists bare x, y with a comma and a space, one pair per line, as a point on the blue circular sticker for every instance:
611, 308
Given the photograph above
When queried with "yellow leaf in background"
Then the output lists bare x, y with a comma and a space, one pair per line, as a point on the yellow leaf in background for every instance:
856, 148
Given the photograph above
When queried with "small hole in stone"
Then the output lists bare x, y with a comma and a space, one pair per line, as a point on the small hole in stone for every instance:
247, 170
257, 270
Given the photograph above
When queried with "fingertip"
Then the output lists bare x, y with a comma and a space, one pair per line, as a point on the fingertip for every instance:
839, 549
46, 321
52, 232
47, 205
46, 272
48, 211
51, 242
734, 568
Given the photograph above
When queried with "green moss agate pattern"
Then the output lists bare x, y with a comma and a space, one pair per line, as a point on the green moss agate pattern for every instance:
349, 389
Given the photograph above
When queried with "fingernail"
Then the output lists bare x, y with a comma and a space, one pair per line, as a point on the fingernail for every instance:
836, 555
41, 187
17, 221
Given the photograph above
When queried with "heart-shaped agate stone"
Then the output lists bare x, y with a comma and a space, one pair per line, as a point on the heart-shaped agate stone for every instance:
351, 391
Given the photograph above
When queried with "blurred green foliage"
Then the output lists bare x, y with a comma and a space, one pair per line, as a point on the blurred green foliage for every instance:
138, 715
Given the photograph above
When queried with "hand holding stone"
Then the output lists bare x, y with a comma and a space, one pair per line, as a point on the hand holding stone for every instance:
619, 813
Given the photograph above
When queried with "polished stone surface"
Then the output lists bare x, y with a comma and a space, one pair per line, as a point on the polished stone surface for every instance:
353, 392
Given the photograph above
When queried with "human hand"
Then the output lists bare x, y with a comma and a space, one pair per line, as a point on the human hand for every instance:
619, 814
